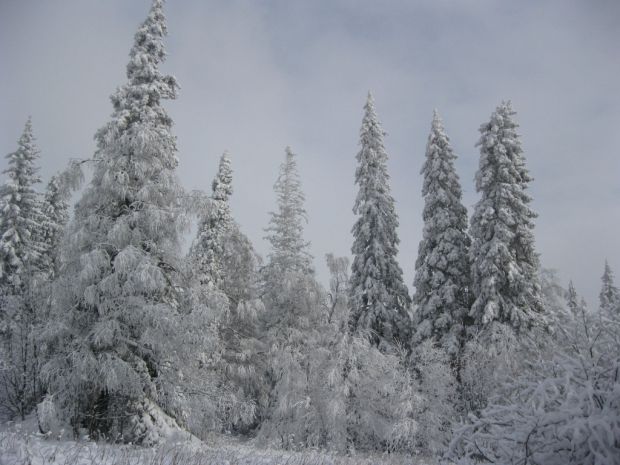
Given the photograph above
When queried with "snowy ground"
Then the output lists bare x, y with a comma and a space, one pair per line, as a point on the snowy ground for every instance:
26, 448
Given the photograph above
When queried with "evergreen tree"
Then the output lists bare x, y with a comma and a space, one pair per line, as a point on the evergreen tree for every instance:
55, 217
442, 268
609, 297
242, 358
289, 251
292, 300
207, 251
120, 292
20, 248
378, 295
577, 307
20, 264
505, 265
572, 299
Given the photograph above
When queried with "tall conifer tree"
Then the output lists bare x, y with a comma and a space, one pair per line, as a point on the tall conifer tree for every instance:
442, 268
609, 297
55, 210
289, 251
120, 289
378, 295
20, 266
505, 265
20, 246
208, 249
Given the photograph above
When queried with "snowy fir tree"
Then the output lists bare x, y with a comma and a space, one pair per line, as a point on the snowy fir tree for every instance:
609, 297
442, 268
55, 210
505, 265
241, 359
20, 266
289, 289
572, 299
378, 295
20, 246
289, 251
227, 267
292, 299
119, 295
207, 250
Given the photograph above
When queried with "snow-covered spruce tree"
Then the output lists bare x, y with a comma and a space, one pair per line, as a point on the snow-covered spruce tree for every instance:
289, 290
505, 264
20, 273
234, 270
289, 250
207, 250
21, 211
119, 293
55, 210
609, 297
572, 301
378, 295
442, 268
292, 299
242, 358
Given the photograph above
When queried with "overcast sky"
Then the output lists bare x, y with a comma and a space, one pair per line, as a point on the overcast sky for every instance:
256, 76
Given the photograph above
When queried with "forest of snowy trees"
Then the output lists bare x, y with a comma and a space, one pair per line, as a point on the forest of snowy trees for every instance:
110, 331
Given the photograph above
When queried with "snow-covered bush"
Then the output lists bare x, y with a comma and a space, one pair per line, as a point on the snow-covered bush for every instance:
564, 410
490, 359
436, 396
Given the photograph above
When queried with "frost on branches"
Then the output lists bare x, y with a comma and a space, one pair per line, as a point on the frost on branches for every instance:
334, 390
378, 296
442, 268
119, 296
505, 264
560, 411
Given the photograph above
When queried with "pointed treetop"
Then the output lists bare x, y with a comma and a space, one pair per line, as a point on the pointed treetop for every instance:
222, 183
610, 294
370, 100
148, 52
289, 250
20, 220
25, 155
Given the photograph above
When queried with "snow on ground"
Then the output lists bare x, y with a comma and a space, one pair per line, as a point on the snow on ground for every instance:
18, 447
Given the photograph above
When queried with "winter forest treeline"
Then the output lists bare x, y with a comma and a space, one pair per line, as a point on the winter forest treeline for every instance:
109, 330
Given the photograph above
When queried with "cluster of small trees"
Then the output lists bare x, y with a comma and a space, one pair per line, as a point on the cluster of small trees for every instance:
106, 325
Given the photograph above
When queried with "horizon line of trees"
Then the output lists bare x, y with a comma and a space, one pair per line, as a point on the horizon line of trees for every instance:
107, 326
